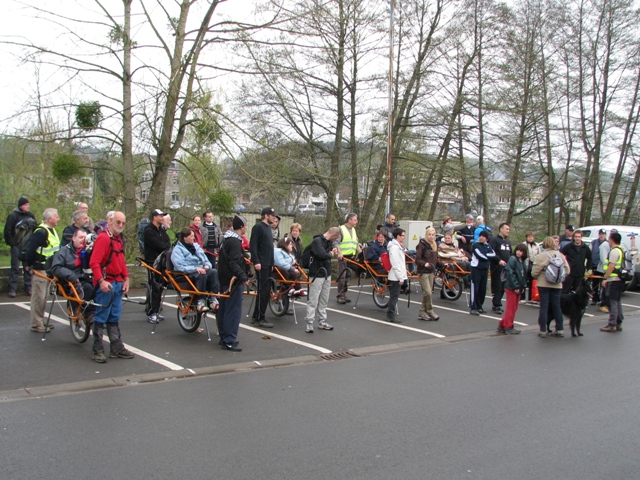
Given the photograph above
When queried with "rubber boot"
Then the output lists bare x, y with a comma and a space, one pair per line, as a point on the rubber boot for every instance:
98, 347
117, 347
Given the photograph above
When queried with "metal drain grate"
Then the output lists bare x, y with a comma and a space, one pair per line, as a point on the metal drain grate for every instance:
338, 355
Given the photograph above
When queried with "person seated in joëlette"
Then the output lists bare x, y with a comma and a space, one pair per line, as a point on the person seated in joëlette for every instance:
189, 258
376, 248
449, 253
284, 260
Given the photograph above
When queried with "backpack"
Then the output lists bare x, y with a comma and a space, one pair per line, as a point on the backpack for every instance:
141, 226
625, 273
555, 272
386, 261
23, 232
160, 263
306, 259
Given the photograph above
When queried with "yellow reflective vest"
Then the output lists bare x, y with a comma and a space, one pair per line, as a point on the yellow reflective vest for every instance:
348, 244
618, 263
53, 240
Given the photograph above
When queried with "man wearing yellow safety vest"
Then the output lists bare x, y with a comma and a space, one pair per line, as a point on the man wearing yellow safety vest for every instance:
613, 284
43, 244
348, 248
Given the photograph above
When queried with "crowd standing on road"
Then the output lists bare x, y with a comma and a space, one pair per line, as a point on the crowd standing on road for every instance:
94, 264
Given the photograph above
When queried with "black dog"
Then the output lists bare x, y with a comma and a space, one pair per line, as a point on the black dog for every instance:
573, 305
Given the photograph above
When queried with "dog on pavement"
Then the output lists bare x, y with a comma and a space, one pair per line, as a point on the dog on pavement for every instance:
574, 305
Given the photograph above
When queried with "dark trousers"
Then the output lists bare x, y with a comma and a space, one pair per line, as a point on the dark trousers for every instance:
571, 283
14, 272
155, 284
478, 287
262, 300
229, 314
596, 285
497, 287
211, 257
207, 282
394, 293
550, 305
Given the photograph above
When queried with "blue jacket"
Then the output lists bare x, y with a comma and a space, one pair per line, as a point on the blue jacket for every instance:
282, 259
479, 229
184, 261
375, 250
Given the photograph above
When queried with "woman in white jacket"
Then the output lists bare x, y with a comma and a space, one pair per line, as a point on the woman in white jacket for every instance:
397, 274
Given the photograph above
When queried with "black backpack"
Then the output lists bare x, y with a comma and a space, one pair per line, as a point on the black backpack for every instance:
307, 258
23, 232
141, 226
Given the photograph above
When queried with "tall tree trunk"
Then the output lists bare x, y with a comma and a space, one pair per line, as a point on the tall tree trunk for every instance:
129, 178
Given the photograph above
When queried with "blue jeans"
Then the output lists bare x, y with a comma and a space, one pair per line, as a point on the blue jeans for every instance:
550, 303
229, 314
110, 314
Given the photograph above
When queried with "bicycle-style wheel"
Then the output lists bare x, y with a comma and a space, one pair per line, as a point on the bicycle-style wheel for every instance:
452, 288
380, 295
278, 301
189, 321
79, 328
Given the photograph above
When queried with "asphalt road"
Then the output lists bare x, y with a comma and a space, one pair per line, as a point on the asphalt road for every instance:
465, 407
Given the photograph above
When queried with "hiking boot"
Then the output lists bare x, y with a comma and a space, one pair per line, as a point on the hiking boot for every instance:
501, 330
265, 324
618, 328
201, 306
481, 310
341, 301
347, 300
309, 328
433, 316
542, 334
497, 310
474, 312
609, 328
124, 353
394, 319
41, 329
153, 318
99, 358
512, 331
12, 294
324, 326
424, 316
557, 333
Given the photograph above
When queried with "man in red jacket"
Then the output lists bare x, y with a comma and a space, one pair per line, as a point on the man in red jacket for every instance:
109, 273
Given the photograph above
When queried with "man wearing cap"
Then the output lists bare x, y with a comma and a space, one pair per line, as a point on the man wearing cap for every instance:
567, 238
465, 233
231, 264
596, 264
261, 244
578, 257
13, 219
211, 236
156, 241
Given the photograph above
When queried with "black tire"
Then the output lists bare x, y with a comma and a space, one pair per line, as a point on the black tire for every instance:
381, 299
280, 304
190, 321
79, 328
453, 292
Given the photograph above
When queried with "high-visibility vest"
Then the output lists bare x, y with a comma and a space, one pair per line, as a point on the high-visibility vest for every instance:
349, 244
53, 242
618, 263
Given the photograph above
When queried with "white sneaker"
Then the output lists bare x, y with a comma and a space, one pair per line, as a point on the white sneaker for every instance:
309, 328
201, 305
213, 303
324, 326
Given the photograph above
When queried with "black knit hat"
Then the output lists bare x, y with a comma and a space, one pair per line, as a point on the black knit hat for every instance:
238, 222
22, 201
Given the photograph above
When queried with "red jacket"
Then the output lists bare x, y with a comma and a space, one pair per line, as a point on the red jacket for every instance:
108, 251
198, 234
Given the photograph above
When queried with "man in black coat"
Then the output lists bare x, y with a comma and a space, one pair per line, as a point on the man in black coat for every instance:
500, 244
79, 221
13, 219
156, 241
466, 231
262, 257
231, 264
579, 259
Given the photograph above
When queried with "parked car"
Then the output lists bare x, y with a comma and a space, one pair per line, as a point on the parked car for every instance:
305, 208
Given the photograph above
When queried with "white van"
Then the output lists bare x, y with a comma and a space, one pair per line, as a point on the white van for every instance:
630, 241
306, 208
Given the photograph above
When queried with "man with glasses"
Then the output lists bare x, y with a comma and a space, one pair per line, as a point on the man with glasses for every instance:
109, 274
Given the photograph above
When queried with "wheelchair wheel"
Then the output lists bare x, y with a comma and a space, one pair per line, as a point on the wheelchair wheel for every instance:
189, 321
381, 299
278, 301
452, 288
79, 328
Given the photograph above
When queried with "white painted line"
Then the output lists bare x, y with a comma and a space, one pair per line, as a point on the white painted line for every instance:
286, 339
384, 322
141, 353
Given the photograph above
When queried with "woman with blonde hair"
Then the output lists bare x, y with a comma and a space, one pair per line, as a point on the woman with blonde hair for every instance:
549, 292
427, 261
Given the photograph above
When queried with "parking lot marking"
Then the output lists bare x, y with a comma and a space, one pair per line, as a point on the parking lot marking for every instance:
137, 351
384, 322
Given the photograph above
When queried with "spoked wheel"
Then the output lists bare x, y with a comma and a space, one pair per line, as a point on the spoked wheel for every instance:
381, 299
278, 301
189, 321
79, 328
452, 288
